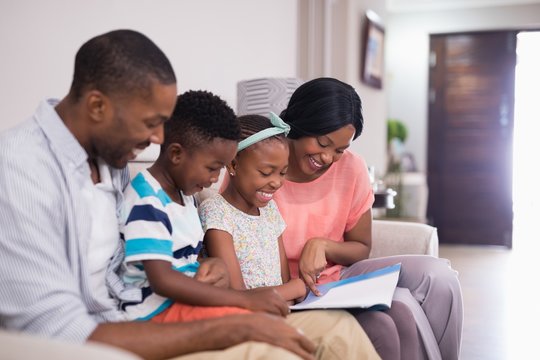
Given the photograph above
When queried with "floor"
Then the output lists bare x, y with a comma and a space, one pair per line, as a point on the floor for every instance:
500, 294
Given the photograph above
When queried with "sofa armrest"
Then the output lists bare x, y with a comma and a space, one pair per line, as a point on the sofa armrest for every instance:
17, 346
402, 238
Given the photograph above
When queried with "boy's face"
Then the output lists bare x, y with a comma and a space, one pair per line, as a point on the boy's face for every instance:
259, 171
200, 168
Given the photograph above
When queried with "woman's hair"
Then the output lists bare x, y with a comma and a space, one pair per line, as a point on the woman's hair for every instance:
199, 117
252, 124
321, 106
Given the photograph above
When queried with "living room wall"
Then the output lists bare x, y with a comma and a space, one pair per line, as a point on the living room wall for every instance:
407, 55
212, 44
330, 40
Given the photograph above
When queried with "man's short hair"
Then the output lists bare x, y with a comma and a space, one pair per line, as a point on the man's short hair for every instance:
198, 118
120, 62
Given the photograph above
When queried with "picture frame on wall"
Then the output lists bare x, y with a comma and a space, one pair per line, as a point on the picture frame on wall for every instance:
373, 51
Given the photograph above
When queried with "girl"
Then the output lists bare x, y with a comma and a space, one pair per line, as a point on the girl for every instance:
242, 224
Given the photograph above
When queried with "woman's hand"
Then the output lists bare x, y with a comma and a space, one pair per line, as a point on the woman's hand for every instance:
312, 262
213, 271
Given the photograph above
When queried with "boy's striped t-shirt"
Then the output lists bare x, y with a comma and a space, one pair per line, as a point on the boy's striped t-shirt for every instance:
156, 228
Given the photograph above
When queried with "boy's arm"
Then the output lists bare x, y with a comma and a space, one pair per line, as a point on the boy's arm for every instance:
169, 283
163, 341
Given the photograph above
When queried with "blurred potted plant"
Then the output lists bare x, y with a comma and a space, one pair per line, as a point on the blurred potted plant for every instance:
396, 137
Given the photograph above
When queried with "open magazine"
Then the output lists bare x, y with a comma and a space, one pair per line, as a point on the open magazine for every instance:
371, 290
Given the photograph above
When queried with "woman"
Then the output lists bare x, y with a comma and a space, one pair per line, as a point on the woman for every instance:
326, 202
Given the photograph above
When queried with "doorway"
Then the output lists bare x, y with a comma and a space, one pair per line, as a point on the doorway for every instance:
470, 127
525, 188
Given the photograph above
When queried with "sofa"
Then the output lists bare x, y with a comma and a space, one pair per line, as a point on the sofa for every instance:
18, 346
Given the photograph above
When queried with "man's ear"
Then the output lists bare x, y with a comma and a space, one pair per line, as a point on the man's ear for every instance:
97, 104
175, 153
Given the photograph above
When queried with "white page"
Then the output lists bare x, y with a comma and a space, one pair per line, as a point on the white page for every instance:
363, 291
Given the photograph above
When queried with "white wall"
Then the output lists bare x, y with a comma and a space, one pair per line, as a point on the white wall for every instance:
372, 143
211, 44
407, 54
330, 42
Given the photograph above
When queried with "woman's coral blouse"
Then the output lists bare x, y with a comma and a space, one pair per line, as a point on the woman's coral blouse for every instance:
328, 207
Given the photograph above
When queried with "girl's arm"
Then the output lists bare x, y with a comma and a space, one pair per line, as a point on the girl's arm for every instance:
220, 244
318, 251
176, 286
292, 289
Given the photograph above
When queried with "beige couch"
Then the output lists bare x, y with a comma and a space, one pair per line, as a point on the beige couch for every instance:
14, 346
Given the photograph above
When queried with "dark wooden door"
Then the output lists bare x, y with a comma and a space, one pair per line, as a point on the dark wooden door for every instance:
471, 108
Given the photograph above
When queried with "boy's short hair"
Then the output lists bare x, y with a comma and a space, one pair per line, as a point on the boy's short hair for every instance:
120, 62
198, 118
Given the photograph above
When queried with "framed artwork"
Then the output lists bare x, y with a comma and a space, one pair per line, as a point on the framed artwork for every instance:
373, 51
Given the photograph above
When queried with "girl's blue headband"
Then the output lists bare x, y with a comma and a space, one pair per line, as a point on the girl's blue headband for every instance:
280, 127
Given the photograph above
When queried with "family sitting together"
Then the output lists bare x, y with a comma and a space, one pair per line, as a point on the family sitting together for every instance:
88, 255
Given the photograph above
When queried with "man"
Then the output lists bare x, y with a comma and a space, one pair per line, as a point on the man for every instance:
61, 179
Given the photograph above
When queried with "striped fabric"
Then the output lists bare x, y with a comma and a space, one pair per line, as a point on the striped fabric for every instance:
44, 231
260, 96
156, 228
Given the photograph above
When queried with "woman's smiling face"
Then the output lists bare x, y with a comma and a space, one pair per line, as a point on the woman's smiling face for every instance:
312, 156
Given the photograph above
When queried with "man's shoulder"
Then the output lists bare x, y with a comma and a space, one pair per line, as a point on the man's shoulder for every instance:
21, 135
25, 145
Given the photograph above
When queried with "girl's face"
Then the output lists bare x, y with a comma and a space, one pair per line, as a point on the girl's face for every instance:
200, 168
258, 171
312, 156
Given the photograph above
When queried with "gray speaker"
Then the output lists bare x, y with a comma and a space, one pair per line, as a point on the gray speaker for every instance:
260, 96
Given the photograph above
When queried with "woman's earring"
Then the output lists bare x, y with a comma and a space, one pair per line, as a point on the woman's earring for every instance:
231, 173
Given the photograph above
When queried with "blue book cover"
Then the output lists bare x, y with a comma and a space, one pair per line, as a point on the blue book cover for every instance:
370, 290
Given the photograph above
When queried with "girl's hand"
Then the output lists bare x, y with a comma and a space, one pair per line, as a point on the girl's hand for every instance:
312, 262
